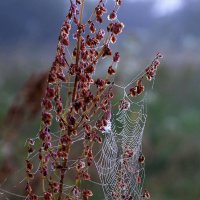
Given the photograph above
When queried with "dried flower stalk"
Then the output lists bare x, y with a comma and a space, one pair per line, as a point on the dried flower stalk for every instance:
86, 98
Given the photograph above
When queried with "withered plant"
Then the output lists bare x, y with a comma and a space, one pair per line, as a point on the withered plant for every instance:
86, 137
25, 107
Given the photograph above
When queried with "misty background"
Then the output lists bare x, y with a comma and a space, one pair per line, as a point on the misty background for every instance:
28, 38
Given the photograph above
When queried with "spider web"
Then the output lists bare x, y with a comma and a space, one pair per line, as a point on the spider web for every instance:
116, 171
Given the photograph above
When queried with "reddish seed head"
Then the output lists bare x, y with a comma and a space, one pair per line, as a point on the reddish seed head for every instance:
146, 195
71, 120
80, 165
45, 135
87, 193
128, 152
43, 171
116, 28
30, 144
65, 140
112, 16
98, 139
133, 92
29, 165
111, 94
118, 2
47, 196
139, 87
65, 41
100, 10
61, 76
99, 19
74, 52
100, 83
141, 159
30, 149
50, 93
52, 77
106, 51
113, 39
34, 197
92, 28
100, 35
87, 127
116, 57
46, 103
85, 175
159, 55
46, 145
59, 107
46, 118
76, 191
150, 72
156, 63
124, 104
54, 186
30, 141
28, 188
30, 175
139, 180
111, 71
77, 105
90, 69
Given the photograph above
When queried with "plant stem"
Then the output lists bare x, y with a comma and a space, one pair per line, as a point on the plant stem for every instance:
78, 51
62, 175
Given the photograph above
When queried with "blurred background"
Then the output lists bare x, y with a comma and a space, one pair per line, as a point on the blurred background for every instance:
28, 38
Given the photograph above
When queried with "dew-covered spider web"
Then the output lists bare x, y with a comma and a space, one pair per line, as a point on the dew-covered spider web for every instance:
117, 162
